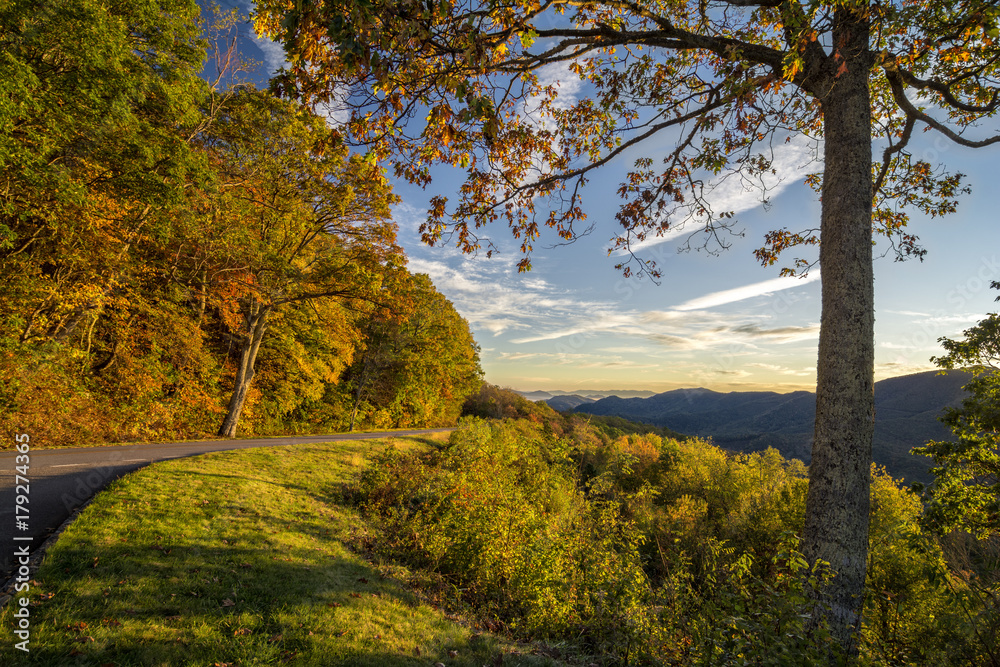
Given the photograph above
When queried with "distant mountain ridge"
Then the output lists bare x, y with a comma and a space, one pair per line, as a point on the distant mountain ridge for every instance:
594, 394
906, 412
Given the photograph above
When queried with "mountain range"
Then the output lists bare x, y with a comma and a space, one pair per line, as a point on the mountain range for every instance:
589, 395
906, 412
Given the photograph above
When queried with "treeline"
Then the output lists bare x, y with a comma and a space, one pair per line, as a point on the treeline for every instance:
179, 259
639, 549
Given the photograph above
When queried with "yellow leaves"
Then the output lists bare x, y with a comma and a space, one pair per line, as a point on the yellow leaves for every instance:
793, 65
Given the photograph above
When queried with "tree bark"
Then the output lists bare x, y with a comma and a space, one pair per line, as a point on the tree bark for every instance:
837, 505
256, 322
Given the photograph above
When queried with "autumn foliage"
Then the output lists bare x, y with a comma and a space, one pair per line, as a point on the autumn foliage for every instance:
170, 249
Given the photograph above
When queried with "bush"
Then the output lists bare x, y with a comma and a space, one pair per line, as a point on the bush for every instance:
498, 513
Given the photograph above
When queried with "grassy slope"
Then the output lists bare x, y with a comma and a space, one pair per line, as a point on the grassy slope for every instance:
235, 558
9, 444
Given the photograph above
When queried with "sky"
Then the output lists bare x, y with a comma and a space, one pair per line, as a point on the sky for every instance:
574, 323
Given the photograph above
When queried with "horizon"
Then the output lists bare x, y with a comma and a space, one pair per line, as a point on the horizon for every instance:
615, 392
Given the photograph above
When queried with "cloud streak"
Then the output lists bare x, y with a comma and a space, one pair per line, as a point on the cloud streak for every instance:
747, 292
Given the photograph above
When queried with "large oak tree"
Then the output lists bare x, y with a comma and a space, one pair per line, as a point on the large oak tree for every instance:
713, 84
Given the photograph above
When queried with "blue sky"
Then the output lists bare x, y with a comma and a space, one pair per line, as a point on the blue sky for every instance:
723, 322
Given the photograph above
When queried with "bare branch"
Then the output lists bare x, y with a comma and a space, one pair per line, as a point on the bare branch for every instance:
899, 94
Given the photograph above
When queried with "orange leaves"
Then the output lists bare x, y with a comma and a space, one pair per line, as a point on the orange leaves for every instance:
775, 242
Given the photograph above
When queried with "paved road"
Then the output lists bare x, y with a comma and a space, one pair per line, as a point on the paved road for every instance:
63, 479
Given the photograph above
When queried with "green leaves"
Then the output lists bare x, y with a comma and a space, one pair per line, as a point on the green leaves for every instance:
966, 491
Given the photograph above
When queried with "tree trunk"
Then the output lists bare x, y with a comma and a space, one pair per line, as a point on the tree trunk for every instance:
836, 524
256, 322
360, 388
202, 297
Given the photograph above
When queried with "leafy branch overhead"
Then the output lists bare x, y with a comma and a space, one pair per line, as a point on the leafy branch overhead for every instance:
711, 88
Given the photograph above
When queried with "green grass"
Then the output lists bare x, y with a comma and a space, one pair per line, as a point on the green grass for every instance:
9, 445
237, 558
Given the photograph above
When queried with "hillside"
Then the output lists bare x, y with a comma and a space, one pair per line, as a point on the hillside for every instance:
906, 411
568, 403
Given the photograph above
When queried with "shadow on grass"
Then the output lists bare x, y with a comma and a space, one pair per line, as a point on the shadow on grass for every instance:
142, 597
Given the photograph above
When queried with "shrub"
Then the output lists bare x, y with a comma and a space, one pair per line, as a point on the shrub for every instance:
498, 513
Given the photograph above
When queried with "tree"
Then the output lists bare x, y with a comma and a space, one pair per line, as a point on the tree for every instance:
296, 219
966, 490
97, 102
719, 82
417, 367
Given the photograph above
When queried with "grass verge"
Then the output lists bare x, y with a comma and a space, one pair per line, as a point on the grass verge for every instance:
234, 559
9, 445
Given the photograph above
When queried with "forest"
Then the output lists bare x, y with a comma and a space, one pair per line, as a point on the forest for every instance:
180, 258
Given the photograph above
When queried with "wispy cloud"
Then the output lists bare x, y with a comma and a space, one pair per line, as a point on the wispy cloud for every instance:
910, 313
498, 300
747, 292
272, 52
568, 86
783, 370
736, 193
897, 346
493, 297
781, 334
894, 368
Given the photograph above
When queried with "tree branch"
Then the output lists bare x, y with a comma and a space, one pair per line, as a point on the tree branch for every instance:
896, 83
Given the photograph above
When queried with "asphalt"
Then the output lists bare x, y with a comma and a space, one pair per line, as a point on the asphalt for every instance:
62, 480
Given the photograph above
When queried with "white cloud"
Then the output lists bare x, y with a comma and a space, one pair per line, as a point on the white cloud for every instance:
956, 318
910, 313
535, 322
492, 296
747, 292
897, 346
337, 111
736, 193
273, 53
568, 86
783, 370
